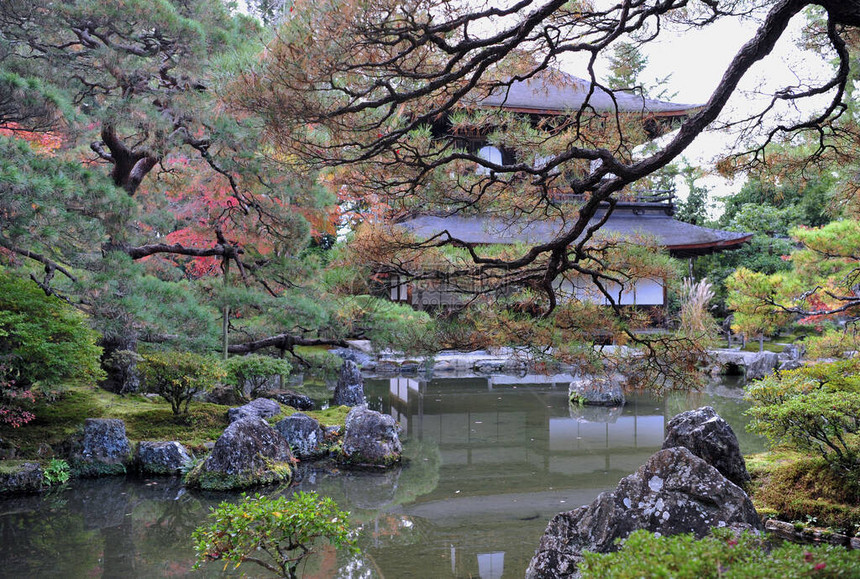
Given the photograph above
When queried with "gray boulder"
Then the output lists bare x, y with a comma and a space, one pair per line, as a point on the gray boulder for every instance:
20, 477
303, 433
790, 357
762, 364
597, 390
370, 439
753, 365
248, 453
353, 355
708, 436
294, 399
103, 450
161, 457
350, 386
674, 492
259, 408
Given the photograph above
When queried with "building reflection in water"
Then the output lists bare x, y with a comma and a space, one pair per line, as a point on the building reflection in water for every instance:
514, 453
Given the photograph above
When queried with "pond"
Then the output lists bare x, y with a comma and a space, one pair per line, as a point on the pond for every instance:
491, 460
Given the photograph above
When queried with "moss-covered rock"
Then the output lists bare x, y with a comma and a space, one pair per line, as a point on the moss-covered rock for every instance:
165, 458
370, 439
18, 476
247, 454
103, 450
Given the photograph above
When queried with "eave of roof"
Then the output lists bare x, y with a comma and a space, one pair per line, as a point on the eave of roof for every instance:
557, 92
679, 238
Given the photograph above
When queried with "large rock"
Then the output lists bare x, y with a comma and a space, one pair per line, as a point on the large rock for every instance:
248, 453
674, 492
762, 364
593, 390
791, 357
708, 436
753, 365
20, 477
353, 355
303, 433
259, 408
350, 386
294, 399
104, 448
370, 439
162, 457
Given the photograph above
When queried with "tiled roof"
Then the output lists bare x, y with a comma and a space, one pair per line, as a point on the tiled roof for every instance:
553, 91
679, 238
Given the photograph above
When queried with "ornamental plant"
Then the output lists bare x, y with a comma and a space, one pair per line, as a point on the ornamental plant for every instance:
276, 534
249, 374
179, 376
813, 409
722, 555
13, 400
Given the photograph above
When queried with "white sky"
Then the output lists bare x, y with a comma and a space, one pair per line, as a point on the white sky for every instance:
696, 60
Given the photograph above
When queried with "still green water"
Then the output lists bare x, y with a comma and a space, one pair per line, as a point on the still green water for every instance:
491, 460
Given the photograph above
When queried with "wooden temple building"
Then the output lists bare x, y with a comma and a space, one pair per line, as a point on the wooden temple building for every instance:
648, 214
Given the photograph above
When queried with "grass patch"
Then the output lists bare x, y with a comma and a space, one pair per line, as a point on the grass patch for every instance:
204, 423
799, 488
753, 346
8, 467
145, 419
332, 416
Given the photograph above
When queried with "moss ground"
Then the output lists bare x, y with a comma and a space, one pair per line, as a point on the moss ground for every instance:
794, 487
145, 419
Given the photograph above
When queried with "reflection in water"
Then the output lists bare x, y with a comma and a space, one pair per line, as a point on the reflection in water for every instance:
491, 460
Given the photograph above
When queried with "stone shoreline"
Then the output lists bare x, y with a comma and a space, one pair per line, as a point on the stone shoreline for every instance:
752, 365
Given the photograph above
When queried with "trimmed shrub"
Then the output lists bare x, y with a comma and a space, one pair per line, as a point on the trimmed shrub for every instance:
179, 376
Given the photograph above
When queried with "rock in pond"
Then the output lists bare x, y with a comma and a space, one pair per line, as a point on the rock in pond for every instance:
370, 439
674, 492
259, 408
708, 436
350, 386
353, 355
104, 449
19, 476
303, 433
248, 453
162, 457
597, 390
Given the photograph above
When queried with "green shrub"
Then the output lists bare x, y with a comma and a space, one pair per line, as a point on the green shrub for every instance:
814, 409
44, 342
248, 374
276, 534
721, 555
179, 376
